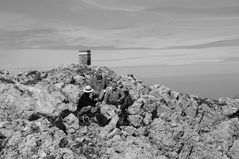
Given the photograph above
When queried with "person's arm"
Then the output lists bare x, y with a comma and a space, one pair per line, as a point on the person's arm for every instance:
106, 97
124, 103
79, 104
122, 95
106, 83
130, 100
84, 109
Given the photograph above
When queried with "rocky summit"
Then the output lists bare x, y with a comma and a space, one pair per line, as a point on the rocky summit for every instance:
163, 124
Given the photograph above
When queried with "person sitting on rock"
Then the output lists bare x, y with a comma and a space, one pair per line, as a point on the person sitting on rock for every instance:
127, 101
111, 104
110, 108
99, 84
86, 104
114, 96
86, 107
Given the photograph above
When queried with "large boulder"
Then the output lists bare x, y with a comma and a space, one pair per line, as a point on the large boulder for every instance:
20, 99
136, 107
72, 123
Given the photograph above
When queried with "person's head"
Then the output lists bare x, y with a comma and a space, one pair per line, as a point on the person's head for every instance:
120, 85
125, 90
88, 89
113, 85
98, 75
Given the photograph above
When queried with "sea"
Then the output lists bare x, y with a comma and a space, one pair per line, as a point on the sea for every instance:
209, 72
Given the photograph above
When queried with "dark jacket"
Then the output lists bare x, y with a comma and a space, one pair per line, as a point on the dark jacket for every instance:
128, 101
84, 101
123, 116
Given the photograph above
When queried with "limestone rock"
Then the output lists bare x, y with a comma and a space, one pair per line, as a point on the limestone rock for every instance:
162, 123
135, 120
135, 108
79, 79
112, 124
66, 153
147, 119
109, 111
72, 123
130, 130
72, 92
235, 149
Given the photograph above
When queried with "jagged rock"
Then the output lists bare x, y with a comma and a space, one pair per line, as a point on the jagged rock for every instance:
5, 77
135, 108
139, 148
23, 98
109, 111
80, 80
134, 84
162, 123
34, 139
151, 103
132, 148
163, 111
66, 153
135, 120
229, 106
157, 127
235, 149
112, 124
71, 92
141, 131
4, 73
130, 130
147, 119
224, 134
72, 123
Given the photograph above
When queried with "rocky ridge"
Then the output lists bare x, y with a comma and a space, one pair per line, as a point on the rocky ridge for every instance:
164, 124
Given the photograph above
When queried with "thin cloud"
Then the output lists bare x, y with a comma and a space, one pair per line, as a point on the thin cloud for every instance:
217, 18
29, 38
61, 36
112, 7
125, 7
99, 26
219, 43
12, 21
225, 13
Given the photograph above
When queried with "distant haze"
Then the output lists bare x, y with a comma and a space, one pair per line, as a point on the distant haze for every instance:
209, 73
189, 45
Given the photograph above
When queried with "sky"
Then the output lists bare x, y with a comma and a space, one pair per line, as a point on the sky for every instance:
117, 24
135, 35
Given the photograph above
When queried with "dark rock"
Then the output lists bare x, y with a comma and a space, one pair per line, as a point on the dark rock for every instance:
7, 81
34, 116
2, 142
63, 143
59, 124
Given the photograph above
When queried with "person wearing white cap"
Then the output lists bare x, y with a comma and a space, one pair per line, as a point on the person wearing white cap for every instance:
86, 107
86, 101
88, 89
